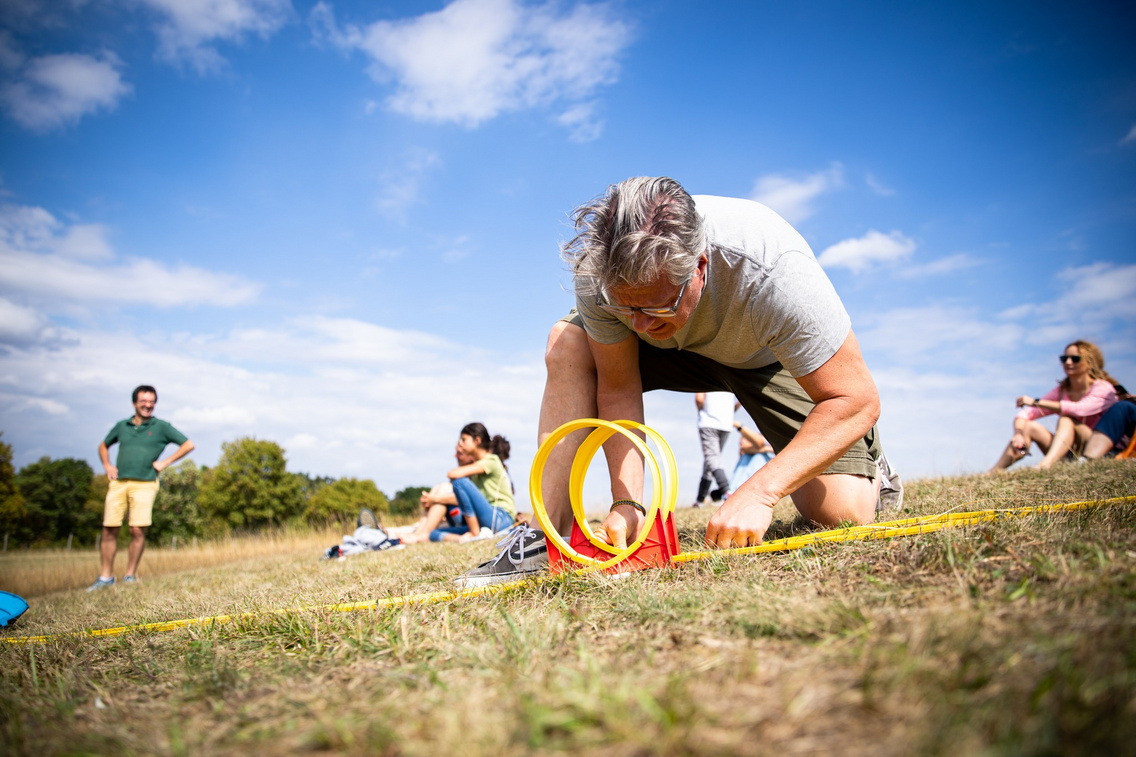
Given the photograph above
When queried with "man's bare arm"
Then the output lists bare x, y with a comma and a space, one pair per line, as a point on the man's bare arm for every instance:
185, 448
619, 396
847, 406
757, 439
104, 456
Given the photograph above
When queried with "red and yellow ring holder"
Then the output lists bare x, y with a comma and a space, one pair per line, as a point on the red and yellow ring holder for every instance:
657, 542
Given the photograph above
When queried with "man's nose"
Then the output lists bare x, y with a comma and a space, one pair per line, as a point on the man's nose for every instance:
641, 321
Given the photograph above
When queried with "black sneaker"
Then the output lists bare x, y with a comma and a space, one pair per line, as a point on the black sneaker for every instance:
367, 518
523, 552
891, 487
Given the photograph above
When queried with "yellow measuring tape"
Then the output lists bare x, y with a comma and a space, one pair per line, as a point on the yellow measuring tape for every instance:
663, 501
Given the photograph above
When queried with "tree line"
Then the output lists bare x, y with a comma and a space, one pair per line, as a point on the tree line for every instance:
50, 501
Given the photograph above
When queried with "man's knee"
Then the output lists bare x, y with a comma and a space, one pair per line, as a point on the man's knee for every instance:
568, 350
838, 498
137, 532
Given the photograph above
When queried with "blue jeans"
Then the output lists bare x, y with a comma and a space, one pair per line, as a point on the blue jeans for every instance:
472, 503
1118, 421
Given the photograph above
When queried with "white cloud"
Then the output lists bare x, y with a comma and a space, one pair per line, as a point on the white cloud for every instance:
1018, 312
44, 260
57, 90
1095, 299
401, 187
945, 334
36, 405
1097, 293
580, 120
455, 249
876, 186
1130, 137
475, 59
11, 57
21, 325
189, 28
940, 267
792, 196
874, 247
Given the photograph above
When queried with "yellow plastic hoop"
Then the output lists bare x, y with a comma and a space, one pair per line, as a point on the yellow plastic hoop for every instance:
663, 493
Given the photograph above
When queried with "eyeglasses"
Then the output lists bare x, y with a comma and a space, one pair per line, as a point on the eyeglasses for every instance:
1062, 358
628, 310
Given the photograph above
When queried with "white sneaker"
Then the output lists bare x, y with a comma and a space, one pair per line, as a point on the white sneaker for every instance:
891, 486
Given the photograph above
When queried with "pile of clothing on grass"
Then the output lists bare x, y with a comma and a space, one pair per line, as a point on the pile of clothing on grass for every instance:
368, 537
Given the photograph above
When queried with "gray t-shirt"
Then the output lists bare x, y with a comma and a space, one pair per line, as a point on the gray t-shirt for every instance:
766, 299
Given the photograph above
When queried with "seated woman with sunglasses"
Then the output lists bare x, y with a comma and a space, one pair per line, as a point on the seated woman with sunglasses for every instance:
1080, 399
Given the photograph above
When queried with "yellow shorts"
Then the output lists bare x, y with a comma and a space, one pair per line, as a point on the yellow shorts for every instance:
137, 496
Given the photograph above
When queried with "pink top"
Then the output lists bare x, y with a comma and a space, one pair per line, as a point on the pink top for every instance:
1088, 410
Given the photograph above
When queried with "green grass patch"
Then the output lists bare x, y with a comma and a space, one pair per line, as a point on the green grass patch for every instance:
1003, 638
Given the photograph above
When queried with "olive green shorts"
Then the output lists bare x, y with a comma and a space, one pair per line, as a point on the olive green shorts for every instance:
771, 396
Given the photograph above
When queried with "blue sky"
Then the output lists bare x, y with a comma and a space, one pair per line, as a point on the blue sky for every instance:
336, 225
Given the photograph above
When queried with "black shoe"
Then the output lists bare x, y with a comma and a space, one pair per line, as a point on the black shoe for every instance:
524, 551
367, 518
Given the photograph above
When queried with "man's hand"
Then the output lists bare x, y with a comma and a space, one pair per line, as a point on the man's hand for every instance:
621, 521
741, 522
161, 465
112, 472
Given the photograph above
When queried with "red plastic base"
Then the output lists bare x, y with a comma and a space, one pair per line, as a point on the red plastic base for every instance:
656, 550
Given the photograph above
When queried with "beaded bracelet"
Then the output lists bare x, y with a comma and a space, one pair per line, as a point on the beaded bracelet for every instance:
631, 502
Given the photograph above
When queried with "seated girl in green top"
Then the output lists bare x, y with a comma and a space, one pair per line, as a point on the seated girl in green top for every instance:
482, 489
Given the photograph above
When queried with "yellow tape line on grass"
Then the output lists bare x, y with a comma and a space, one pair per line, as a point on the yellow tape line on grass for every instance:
888, 530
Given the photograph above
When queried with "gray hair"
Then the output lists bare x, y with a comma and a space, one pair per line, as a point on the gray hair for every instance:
642, 227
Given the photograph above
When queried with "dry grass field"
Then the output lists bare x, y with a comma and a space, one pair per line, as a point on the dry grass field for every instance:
1014, 637
33, 574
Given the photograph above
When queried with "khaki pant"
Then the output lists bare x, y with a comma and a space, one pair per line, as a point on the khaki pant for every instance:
137, 496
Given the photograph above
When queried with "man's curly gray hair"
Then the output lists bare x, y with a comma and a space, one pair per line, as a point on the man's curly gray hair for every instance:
641, 228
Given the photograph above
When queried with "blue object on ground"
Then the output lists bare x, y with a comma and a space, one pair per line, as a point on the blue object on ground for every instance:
11, 607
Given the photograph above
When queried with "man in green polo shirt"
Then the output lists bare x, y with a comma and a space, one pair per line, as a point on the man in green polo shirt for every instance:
134, 481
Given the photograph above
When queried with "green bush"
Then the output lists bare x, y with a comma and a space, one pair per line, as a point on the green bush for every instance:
55, 494
177, 511
343, 499
11, 503
249, 487
408, 501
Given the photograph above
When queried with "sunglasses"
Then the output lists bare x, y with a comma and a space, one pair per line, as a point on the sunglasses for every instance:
1062, 358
